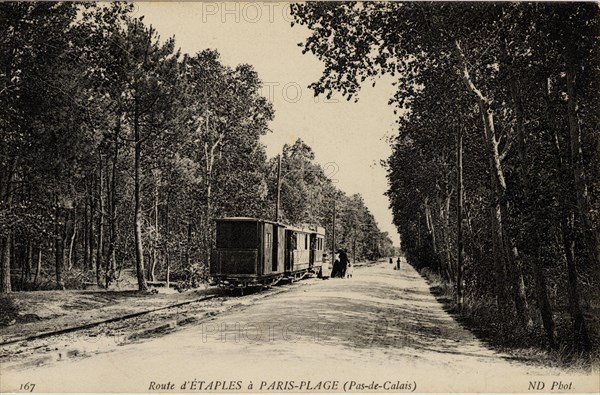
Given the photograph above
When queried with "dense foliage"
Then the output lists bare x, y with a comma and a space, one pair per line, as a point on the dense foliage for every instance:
117, 152
309, 196
494, 178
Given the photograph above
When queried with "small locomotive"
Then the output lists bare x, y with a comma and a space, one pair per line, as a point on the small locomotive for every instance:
253, 252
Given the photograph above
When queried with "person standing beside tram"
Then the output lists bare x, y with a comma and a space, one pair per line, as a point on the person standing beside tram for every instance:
335, 271
343, 263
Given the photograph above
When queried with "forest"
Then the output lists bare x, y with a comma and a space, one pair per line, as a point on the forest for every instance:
494, 176
118, 151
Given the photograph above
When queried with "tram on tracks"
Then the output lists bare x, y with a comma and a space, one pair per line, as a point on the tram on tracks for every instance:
252, 252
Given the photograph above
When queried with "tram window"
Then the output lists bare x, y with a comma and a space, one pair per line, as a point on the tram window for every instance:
236, 234
306, 242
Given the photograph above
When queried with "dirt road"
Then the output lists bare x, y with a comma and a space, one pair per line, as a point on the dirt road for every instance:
381, 331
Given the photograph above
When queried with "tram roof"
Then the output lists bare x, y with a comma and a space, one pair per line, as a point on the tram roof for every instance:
303, 228
247, 219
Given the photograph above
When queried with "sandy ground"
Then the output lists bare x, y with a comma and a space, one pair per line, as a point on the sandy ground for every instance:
48, 311
381, 331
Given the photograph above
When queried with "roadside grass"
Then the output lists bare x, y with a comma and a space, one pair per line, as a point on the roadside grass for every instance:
527, 345
9, 310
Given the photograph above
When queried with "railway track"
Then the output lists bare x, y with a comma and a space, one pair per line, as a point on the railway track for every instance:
105, 335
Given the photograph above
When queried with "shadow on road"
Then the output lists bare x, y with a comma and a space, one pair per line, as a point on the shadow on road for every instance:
483, 335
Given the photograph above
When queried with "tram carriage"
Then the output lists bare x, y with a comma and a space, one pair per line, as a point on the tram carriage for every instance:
304, 250
255, 252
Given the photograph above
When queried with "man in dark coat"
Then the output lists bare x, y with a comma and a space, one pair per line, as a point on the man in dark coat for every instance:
335, 272
343, 263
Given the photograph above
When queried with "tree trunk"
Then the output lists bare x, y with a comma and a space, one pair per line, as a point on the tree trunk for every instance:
518, 285
189, 241
91, 223
6, 196
29, 260
58, 248
168, 272
496, 180
541, 291
38, 267
72, 243
207, 217
418, 233
85, 236
431, 229
156, 231
100, 244
210, 155
579, 328
576, 158
110, 257
544, 305
430, 225
459, 210
450, 274
6, 281
568, 217
139, 247
167, 235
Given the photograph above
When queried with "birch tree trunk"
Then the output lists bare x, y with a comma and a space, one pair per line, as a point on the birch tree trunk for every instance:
210, 153
71, 245
503, 245
38, 266
430, 225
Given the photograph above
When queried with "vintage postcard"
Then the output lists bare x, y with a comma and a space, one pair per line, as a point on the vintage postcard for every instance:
316, 197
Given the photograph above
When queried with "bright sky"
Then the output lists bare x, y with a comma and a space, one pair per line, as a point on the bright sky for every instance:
349, 139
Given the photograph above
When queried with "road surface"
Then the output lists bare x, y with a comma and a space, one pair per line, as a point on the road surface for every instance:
381, 331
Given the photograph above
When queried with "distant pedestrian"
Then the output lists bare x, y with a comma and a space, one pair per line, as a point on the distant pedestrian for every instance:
391, 260
398, 263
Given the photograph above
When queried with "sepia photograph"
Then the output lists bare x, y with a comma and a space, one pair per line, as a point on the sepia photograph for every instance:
312, 197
